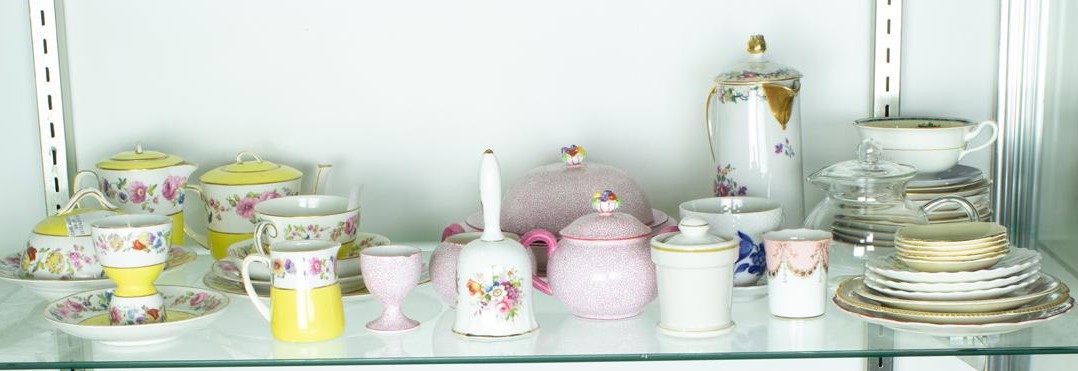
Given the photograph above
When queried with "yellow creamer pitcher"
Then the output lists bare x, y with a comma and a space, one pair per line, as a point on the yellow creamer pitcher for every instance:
305, 297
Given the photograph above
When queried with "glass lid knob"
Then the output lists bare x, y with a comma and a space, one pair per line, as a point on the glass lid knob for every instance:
868, 153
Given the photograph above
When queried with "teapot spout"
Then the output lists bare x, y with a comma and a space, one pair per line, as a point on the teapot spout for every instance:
781, 100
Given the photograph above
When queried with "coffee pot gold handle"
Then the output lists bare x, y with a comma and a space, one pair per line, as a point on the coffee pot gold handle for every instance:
245, 273
707, 121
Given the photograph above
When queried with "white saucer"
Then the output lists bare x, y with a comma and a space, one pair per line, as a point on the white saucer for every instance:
85, 315
743, 294
955, 175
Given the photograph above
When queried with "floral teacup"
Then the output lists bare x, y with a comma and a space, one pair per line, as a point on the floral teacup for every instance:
132, 249
308, 217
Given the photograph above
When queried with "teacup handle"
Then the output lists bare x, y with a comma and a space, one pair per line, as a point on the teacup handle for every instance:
245, 273
962, 202
540, 235
975, 132
260, 229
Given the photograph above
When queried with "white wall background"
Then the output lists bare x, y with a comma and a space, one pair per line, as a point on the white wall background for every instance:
404, 95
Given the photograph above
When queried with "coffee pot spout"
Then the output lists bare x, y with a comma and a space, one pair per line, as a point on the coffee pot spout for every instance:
780, 98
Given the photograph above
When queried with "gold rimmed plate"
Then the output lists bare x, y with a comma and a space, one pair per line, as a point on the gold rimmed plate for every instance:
1010, 300
989, 293
55, 289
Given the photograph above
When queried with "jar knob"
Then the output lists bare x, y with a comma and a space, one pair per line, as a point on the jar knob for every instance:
573, 155
138, 148
605, 202
868, 152
757, 45
694, 227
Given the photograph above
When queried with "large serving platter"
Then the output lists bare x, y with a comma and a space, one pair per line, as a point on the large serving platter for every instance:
847, 294
953, 330
891, 266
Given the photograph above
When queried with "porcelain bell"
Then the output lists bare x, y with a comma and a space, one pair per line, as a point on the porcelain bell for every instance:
494, 273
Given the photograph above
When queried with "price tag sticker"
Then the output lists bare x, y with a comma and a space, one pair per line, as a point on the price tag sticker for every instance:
79, 225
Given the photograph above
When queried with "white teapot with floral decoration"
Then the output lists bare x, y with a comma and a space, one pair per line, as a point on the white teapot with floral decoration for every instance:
144, 182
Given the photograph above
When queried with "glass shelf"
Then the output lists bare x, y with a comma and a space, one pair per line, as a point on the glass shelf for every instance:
242, 338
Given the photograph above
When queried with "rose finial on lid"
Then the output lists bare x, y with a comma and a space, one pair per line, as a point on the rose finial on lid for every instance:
573, 155
605, 202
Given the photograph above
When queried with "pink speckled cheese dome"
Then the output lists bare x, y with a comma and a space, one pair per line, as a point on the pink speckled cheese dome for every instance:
548, 197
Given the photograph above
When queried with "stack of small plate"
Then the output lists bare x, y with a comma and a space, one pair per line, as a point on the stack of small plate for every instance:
953, 247
961, 180
1009, 295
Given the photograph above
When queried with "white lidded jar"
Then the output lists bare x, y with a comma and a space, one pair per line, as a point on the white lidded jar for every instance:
684, 261
494, 272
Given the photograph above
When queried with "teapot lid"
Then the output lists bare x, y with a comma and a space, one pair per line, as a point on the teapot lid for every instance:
693, 237
757, 69
867, 168
139, 159
73, 219
251, 171
606, 223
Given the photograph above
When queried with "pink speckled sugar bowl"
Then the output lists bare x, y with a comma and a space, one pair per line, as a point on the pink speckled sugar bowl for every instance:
601, 268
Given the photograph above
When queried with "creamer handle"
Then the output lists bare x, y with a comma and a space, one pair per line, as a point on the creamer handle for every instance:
245, 273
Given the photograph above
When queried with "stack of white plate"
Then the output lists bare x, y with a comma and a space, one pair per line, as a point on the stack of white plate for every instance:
952, 247
1009, 295
961, 180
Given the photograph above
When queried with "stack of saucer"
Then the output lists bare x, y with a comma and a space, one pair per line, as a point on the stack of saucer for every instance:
961, 180
957, 279
953, 247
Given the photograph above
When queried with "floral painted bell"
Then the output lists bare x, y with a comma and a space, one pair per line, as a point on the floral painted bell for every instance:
494, 273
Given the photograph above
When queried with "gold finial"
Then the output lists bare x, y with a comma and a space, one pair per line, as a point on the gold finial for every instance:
757, 45
488, 151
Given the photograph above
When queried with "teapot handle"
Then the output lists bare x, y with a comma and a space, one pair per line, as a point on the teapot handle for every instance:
321, 173
965, 205
190, 232
540, 235
707, 121
83, 193
83, 174
245, 273
452, 229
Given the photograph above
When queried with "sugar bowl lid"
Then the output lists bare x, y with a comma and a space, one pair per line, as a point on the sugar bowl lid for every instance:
139, 159
253, 170
867, 169
693, 237
757, 69
73, 220
606, 223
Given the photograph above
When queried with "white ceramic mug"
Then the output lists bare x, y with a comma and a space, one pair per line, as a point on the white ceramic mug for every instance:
797, 272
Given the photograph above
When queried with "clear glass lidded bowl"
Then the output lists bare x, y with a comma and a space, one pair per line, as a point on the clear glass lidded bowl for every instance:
866, 204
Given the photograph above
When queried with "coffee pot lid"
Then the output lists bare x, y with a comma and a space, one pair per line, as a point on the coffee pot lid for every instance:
868, 168
252, 170
757, 69
139, 159
606, 223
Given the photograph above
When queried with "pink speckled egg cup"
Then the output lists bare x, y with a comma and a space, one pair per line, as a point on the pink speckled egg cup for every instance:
390, 273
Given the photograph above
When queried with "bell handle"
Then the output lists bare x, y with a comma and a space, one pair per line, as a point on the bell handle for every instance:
965, 205
547, 238
707, 121
93, 193
245, 273
973, 134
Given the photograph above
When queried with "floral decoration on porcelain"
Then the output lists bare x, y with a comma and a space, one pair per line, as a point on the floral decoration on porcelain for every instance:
147, 196
501, 293
314, 267
750, 255
725, 185
785, 148
345, 228
243, 205
77, 307
573, 155
739, 94
754, 76
136, 316
56, 261
605, 202
197, 301
148, 242
800, 262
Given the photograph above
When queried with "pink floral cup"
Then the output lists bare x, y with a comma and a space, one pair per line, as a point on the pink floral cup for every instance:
797, 272
307, 217
390, 273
